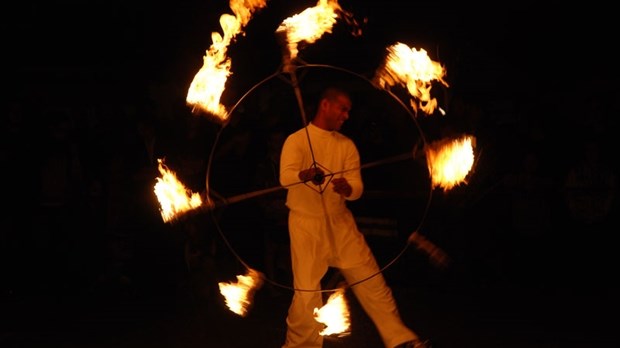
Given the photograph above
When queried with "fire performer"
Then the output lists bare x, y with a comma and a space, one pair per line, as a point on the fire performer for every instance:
323, 232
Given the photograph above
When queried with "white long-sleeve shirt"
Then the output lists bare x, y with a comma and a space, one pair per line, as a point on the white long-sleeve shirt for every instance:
335, 154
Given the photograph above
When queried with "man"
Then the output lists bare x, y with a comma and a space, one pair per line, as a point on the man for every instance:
320, 167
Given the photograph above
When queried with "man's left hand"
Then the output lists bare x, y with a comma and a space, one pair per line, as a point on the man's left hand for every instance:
341, 186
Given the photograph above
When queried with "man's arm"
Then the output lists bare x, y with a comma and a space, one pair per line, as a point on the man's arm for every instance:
290, 163
352, 173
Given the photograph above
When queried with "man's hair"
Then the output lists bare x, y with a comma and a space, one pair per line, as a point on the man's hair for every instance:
332, 92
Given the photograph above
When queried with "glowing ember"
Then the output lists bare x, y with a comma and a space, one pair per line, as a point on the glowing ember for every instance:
449, 161
312, 23
413, 69
208, 85
239, 295
173, 197
334, 314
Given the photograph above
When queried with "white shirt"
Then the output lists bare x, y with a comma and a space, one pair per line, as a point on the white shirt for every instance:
335, 154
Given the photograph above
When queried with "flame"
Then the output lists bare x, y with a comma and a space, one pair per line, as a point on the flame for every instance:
334, 314
449, 161
413, 69
172, 195
239, 295
312, 23
208, 84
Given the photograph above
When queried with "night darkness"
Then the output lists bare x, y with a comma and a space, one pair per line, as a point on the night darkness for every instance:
95, 94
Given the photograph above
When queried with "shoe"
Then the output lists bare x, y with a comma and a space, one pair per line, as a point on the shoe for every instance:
414, 344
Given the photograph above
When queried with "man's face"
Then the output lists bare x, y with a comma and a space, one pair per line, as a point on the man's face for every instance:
338, 111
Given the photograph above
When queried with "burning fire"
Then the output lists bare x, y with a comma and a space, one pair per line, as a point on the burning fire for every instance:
312, 23
309, 25
174, 198
239, 295
208, 85
334, 314
413, 69
449, 161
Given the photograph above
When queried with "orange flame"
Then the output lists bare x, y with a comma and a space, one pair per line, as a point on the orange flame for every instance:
208, 85
449, 161
239, 295
310, 24
334, 314
413, 69
172, 195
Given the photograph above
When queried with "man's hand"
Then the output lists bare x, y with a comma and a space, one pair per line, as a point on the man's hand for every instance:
314, 174
341, 186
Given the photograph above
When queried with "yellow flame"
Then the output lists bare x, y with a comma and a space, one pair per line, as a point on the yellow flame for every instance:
208, 84
449, 161
239, 295
413, 69
173, 196
310, 24
334, 314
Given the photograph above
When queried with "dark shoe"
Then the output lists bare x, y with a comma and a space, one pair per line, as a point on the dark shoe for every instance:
414, 344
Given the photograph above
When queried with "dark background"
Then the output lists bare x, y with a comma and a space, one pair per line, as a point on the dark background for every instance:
83, 241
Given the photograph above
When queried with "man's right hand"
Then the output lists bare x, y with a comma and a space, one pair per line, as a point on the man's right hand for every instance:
314, 174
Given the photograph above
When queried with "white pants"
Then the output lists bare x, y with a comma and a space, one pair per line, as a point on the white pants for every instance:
318, 243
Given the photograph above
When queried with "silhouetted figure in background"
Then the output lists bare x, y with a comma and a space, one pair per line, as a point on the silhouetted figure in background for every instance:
530, 192
133, 227
590, 191
58, 215
19, 142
